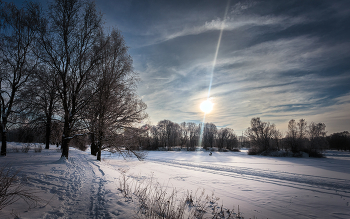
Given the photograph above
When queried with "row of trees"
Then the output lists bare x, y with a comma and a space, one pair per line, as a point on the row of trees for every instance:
168, 134
60, 66
339, 141
300, 137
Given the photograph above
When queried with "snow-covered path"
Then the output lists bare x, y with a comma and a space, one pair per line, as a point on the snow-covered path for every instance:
79, 188
263, 187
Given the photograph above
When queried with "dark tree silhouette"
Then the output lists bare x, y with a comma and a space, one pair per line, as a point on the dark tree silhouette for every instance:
114, 107
260, 135
68, 47
17, 62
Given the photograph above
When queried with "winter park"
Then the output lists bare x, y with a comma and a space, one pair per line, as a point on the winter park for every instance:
220, 109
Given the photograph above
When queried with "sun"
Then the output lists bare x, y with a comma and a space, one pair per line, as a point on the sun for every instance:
206, 106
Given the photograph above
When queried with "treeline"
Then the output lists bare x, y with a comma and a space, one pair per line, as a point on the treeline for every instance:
167, 134
63, 78
339, 141
311, 138
261, 138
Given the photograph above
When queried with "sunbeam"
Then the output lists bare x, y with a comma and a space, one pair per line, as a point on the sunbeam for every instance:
213, 68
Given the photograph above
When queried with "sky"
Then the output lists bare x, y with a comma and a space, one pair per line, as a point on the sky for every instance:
277, 60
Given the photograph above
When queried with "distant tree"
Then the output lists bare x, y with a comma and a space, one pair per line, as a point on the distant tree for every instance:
17, 61
339, 141
184, 134
226, 138
166, 129
155, 138
317, 137
292, 136
260, 135
296, 138
232, 141
175, 134
302, 129
193, 130
277, 139
209, 135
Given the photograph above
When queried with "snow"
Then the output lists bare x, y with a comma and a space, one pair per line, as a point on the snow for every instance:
263, 187
78, 188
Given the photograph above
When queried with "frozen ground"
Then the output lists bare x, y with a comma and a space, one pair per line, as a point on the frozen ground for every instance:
263, 187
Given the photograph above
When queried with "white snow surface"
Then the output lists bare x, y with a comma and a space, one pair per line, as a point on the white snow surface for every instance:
263, 187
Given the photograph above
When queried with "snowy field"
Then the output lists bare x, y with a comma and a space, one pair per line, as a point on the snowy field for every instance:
263, 187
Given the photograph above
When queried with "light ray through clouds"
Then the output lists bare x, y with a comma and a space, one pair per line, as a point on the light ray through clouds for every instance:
276, 60
213, 68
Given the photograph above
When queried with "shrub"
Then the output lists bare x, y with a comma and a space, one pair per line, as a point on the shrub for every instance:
253, 151
26, 148
38, 149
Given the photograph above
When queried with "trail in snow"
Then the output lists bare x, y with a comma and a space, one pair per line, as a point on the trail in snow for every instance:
77, 188
295, 180
264, 187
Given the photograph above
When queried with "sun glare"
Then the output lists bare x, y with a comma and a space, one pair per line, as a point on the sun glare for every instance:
206, 106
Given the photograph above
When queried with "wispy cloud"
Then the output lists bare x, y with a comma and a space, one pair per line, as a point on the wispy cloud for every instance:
277, 62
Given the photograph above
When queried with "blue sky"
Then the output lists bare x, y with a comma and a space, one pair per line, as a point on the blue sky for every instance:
278, 60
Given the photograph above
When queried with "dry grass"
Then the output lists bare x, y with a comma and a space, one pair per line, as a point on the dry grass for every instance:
158, 201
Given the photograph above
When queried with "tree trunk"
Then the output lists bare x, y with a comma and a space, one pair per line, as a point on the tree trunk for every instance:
65, 139
99, 153
93, 145
99, 145
48, 132
3, 136
3, 141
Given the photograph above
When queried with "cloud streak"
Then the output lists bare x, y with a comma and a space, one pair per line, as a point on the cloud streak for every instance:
277, 60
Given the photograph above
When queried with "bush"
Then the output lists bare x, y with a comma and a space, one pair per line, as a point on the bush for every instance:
315, 153
253, 151
26, 148
38, 149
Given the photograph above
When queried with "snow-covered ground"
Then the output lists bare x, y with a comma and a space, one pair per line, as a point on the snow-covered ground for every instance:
263, 187
79, 188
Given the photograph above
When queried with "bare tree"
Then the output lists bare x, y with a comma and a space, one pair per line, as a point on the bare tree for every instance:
292, 135
209, 135
68, 47
166, 128
222, 137
296, 135
184, 134
226, 139
232, 141
156, 137
17, 60
260, 134
317, 137
193, 130
114, 107
39, 100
